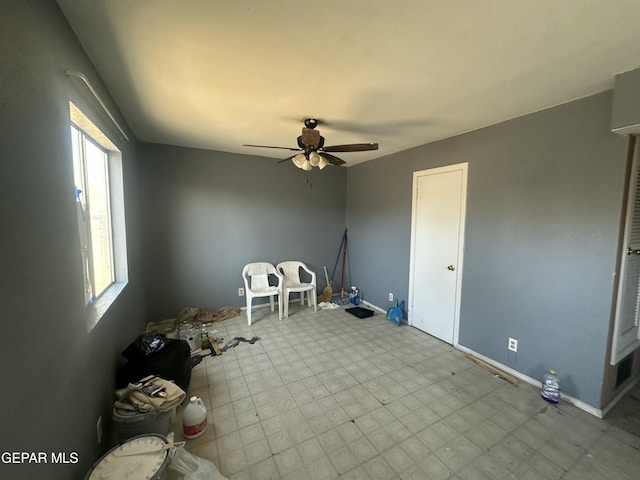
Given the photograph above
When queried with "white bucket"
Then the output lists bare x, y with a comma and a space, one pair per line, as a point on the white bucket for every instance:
194, 418
140, 458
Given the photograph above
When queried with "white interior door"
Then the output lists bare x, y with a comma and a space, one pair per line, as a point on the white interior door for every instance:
626, 331
437, 233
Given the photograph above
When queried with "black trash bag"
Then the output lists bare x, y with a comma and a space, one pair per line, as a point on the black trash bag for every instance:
146, 344
154, 354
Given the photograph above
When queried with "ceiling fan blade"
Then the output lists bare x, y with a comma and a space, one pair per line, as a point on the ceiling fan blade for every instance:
269, 146
285, 159
332, 159
354, 147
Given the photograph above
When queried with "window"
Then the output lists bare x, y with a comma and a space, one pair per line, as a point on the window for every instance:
91, 177
97, 171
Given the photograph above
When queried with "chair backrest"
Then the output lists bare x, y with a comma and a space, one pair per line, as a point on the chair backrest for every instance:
290, 270
256, 275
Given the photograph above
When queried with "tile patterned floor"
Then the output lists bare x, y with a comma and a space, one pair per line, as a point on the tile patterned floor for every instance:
326, 395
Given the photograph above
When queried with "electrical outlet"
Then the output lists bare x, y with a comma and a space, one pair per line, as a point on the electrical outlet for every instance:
99, 429
390, 297
513, 344
241, 292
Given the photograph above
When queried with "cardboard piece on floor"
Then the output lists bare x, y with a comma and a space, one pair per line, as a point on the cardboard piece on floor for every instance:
494, 370
215, 346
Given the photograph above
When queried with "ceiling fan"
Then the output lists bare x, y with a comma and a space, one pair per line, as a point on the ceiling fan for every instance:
313, 153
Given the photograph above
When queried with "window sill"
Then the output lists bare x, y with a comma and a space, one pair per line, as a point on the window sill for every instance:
97, 309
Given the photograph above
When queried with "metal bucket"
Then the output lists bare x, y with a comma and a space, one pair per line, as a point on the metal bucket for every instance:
129, 424
140, 458
191, 334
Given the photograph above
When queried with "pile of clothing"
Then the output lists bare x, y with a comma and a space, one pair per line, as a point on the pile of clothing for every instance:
152, 393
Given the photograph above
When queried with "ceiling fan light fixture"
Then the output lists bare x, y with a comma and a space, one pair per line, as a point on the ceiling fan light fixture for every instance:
314, 159
299, 160
322, 163
306, 165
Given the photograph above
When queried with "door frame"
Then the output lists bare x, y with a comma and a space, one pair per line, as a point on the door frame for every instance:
463, 214
631, 192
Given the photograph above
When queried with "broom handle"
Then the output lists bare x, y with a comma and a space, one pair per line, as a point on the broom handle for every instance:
344, 257
326, 276
344, 236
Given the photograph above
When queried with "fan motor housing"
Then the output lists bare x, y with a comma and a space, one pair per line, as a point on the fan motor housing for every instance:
310, 137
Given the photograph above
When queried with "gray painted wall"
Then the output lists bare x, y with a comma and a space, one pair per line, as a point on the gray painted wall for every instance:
207, 214
56, 378
543, 206
544, 198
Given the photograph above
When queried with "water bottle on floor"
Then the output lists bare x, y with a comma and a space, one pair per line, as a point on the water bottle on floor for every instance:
550, 387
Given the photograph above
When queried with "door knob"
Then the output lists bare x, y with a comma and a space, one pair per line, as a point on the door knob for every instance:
451, 267
631, 251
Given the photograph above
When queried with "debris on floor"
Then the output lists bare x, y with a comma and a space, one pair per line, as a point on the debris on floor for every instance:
233, 343
494, 370
194, 315
328, 305
166, 327
195, 325
192, 466
212, 316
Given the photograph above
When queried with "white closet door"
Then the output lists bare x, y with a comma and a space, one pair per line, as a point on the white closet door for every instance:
439, 197
625, 333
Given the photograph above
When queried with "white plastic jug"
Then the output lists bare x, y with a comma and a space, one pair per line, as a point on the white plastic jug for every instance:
194, 418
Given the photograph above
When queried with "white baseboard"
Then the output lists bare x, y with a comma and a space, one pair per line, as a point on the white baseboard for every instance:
257, 306
532, 381
371, 305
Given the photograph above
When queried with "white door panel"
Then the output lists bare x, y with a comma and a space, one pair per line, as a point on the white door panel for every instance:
436, 250
625, 331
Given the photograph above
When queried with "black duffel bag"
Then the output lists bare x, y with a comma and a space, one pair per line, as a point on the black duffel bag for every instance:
155, 354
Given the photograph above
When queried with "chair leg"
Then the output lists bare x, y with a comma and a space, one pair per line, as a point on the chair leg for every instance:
271, 302
286, 306
302, 299
249, 311
284, 299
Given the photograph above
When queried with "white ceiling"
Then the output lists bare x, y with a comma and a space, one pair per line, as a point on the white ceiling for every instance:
216, 74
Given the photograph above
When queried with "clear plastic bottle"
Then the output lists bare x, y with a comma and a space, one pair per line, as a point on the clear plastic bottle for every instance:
550, 387
204, 338
354, 296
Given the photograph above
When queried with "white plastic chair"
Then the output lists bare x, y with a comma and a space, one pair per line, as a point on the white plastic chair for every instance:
292, 283
256, 284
